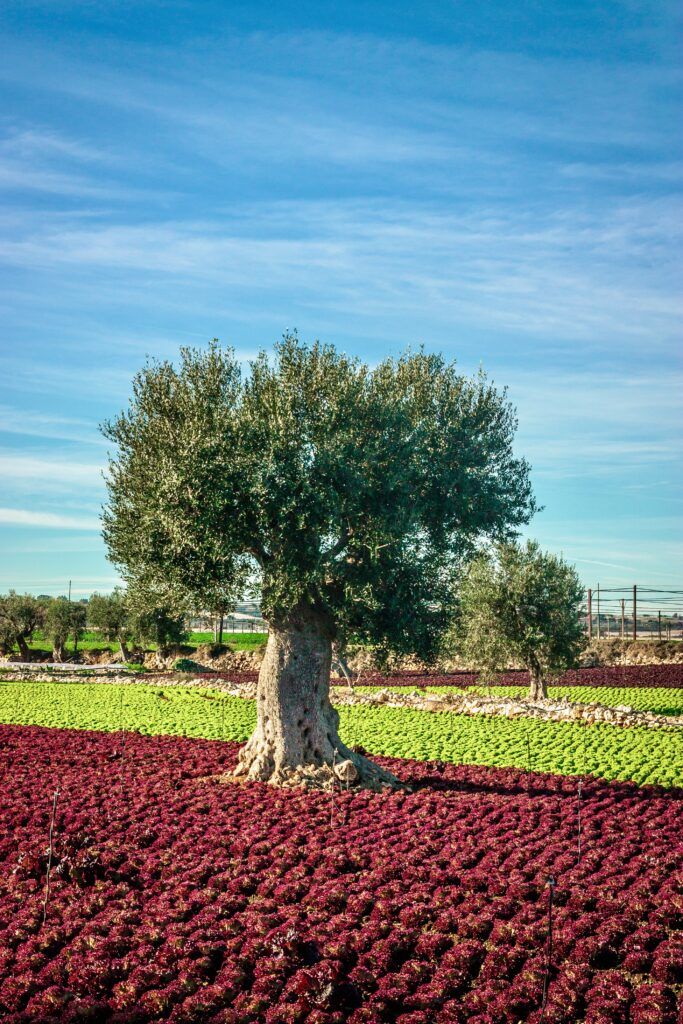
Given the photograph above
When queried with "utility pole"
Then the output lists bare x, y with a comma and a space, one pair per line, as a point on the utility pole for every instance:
623, 620
69, 591
635, 613
659, 624
590, 614
598, 611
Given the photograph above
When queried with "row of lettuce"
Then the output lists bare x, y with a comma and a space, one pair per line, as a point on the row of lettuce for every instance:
176, 898
639, 754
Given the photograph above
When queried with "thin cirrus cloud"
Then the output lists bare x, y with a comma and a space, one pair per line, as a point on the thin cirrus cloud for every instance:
47, 520
506, 195
28, 423
21, 466
498, 270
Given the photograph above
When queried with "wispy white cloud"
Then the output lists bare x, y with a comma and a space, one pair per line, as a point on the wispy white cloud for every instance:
21, 466
612, 557
28, 423
518, 207
46, 520
560, 277
15, 175
29, 143
599, 423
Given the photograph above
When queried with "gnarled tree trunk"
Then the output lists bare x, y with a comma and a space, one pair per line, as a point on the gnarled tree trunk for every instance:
538, 689
296, 740
23, 648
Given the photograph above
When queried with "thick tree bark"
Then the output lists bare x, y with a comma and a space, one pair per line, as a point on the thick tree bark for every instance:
296, 740
59, 651
23, 648
538, 689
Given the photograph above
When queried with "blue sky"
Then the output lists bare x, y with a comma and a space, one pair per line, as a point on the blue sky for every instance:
498, 181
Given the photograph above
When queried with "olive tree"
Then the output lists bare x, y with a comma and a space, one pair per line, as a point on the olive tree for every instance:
6, 637
518, 603
352, 491
64, 619
110, 614
211, 584
20, 616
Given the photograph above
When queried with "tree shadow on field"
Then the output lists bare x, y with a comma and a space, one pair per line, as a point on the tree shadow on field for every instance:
437, 784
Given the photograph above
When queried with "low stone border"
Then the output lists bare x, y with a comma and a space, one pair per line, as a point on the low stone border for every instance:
511, 707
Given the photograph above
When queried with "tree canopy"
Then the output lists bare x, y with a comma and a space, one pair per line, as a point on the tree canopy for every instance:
20, 616
350, 494
64, 619
520, 604
350, 489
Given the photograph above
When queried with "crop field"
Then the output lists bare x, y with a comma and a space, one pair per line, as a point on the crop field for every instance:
619, 676
178, 897
638, 754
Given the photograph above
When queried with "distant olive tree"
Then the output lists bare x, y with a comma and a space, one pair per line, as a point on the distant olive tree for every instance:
20, 616
353, 492
208, 583
220, 601
521, 604
110, 614
63, 620
153, 622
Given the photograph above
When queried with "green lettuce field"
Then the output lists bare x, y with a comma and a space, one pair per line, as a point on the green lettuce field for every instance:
637, 754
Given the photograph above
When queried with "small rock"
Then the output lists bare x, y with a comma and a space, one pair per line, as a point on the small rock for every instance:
346, 771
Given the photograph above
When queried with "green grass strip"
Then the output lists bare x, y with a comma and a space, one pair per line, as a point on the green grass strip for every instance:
92, 641
642, 755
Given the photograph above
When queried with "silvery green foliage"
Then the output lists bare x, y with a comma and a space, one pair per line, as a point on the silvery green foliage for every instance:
350, 490
519, 604
109, 614
152, 621
63, 620
20, 616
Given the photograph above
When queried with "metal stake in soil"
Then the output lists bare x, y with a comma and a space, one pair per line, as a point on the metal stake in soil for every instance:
549, 948
578, 814
46, 897
123, 739
528, 758
334, 764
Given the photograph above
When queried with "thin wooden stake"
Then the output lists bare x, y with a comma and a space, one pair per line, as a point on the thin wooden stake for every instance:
579, 820
49, 855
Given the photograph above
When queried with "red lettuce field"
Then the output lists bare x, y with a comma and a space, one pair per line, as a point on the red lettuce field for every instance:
175, 897
670, 676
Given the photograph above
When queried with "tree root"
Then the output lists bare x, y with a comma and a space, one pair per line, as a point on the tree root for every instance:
347, 770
